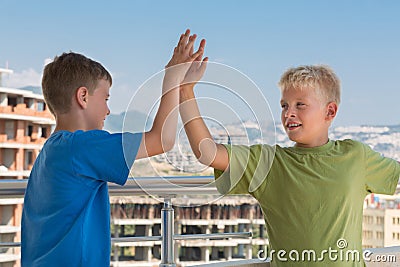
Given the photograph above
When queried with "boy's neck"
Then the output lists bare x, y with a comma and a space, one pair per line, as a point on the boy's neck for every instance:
70, 122
314, 144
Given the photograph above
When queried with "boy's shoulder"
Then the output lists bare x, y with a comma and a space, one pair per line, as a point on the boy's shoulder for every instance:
79, 137
79, 133
350, 144
333, 146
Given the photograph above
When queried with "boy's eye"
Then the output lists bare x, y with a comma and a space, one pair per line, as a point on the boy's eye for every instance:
284, 106
301, 104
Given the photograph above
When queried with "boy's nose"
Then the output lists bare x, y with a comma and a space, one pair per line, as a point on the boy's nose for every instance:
290, 113
108, 111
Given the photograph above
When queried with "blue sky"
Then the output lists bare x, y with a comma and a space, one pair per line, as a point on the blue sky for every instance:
359, 39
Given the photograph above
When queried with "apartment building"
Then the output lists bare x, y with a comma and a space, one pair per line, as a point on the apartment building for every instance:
25, 123
381, 222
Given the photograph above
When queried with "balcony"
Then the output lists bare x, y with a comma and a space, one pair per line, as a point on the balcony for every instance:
24, 142
21, 112
161, 188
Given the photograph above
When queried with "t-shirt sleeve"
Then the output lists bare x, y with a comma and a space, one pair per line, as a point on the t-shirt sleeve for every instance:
382, 174
248, 169
104, 156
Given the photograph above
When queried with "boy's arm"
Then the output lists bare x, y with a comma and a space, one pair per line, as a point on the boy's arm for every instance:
206, 150
161, 137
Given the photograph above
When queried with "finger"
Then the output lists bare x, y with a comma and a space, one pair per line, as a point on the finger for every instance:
198, 59
199, 53
201, 48
202, 43
190, 44
179, 43
180, 39
202, 67
197, 63
202, 63
184, 40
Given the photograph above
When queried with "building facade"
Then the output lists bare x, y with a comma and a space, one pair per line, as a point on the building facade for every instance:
381, 221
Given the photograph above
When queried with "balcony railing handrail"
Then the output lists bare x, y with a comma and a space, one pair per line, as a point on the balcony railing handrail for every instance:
158, 238
156, 186
9, 244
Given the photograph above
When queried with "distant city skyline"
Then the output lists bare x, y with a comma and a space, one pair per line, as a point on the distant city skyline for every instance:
359, 39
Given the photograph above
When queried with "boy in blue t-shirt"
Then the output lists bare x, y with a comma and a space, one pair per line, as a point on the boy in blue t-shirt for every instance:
66, 216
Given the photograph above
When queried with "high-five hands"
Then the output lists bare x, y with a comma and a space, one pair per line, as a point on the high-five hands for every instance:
183, 58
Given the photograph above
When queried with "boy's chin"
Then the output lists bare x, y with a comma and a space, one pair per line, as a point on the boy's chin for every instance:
297, 141
292, 138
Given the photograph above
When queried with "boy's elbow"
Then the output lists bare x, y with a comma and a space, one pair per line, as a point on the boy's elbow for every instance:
157, 144
205, 161
207, 152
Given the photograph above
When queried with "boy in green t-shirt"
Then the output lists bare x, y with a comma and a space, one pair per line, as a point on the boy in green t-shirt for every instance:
311, 194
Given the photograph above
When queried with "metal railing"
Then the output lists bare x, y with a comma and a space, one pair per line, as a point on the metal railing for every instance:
156, 186
166, 189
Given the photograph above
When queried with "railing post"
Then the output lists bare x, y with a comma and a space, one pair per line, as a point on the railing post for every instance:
167, 234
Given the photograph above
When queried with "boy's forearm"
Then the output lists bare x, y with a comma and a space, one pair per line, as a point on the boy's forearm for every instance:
166, 119
170, 81
200, 139
161, 137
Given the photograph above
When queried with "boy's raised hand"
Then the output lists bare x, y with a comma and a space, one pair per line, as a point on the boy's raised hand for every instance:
197, 68
183, 56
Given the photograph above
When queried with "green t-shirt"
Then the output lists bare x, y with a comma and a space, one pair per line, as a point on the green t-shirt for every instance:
312, 198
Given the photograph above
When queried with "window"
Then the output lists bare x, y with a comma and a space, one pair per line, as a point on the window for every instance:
44, 132
367, 234
29, 103
40, 106
395, 236
10, 129
28, 159
29, 131
12, 101
368, 219
379, 235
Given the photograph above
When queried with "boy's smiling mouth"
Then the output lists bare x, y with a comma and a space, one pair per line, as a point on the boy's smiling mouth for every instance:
293, 125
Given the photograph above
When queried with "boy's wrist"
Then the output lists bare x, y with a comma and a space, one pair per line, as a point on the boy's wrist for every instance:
170, 82
186, 91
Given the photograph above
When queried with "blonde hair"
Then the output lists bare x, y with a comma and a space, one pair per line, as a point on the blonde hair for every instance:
320, 78
63, 76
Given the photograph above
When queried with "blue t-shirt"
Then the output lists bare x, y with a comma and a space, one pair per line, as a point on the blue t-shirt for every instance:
66, 215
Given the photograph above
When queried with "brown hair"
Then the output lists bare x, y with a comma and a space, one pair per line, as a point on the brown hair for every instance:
321, 78
68, 72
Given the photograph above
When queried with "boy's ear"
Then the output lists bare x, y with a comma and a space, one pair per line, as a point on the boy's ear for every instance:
81, 96
331, 111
